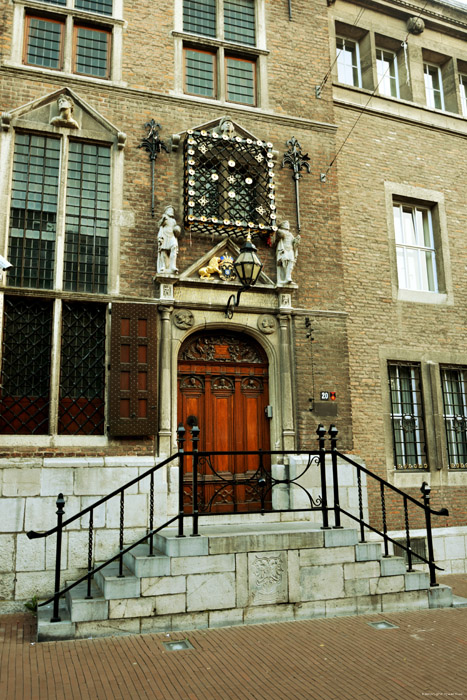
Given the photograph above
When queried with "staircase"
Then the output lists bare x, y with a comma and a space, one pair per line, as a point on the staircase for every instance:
247, 571
241, 574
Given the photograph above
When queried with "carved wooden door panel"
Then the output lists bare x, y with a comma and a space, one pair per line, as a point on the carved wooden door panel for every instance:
223, 387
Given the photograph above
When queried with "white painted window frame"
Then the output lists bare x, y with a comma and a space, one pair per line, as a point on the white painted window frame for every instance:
430, 91
383, 76
341, 66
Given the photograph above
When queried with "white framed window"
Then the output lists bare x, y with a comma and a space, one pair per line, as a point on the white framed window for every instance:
415, 248
348, 62
463, 91
433, 86
220, 54
80, 37
388, 79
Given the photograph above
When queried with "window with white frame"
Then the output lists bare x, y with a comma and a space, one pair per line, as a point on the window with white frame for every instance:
415, 248
386, 66
454, 386
463, 91
348, 62
433, 86
408, 429
225, 69
59, 38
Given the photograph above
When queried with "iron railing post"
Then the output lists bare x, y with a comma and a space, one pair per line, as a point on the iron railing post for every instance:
426, 490
90, 548
195, 439
58, 557
335, 479
321, 432
383, 515
122, 525
151, 514
180, 440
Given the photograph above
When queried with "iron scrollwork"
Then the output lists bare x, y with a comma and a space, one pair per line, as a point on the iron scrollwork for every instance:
153, 145
297, 161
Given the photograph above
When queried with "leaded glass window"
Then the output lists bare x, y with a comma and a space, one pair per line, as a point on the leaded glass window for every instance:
199, 17
239, 21
103, 7
200, 73
44, 42
454, 385
33, 217
240, 80
407, 417
26, 353
87, 218
82, 376
92, 49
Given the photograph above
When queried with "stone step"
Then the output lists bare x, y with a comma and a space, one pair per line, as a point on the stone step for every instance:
142, 565
50, 631
83, 609
459, 602
393, 566
440, 596
368, 551
168, 542
112, 586
417, 581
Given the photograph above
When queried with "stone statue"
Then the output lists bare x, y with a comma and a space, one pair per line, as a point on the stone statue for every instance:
286, 253
167, 243
225, 127
65, 117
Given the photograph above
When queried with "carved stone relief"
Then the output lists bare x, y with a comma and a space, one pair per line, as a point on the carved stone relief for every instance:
65, 116
267, 324
267, 578
220, 348
183, 319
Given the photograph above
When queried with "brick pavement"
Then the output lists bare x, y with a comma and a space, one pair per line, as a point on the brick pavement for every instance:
322, 659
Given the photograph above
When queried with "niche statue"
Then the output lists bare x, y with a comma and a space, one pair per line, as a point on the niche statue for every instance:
286, 253
167, 243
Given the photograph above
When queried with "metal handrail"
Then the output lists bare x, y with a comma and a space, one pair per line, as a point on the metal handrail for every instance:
264, 482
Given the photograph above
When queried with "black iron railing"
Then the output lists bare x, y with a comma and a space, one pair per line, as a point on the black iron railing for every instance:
207, 490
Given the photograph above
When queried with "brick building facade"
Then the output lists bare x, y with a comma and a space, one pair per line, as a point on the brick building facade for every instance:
94, 328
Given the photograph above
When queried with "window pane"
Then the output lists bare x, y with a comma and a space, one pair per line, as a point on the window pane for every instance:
82, 372
407, 416
54, 2
239, 21
44, 43
240, 81
87, 218
433, 87
199, 17
33, 214
91, 52
415, 249
25, 393
199, 73
453, 381
104, 7
347, 62
387, 73
463, 89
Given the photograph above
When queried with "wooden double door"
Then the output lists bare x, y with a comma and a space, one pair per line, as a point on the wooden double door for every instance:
223, 388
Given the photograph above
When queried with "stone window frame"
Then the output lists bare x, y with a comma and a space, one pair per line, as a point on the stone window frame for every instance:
433, 408
222, 50
435, 202
70, 18
57, 295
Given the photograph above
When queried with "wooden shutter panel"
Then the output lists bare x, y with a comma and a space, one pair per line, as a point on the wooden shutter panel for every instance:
133, 376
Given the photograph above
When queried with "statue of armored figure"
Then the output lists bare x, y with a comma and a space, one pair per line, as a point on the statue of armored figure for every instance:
167, 243
286, 252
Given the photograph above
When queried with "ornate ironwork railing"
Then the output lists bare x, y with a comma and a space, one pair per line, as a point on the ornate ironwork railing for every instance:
216, 491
